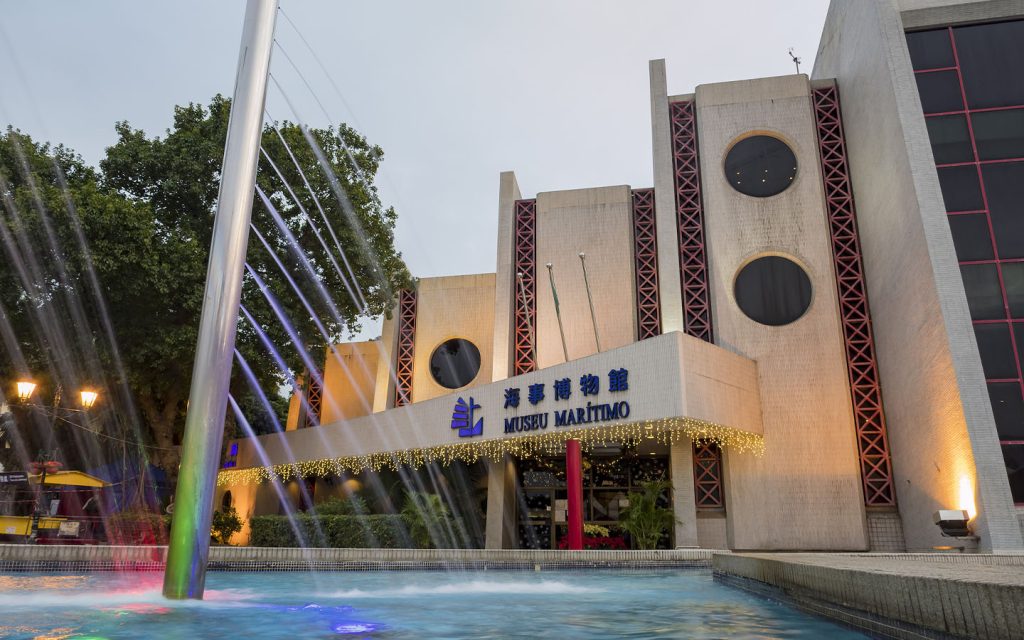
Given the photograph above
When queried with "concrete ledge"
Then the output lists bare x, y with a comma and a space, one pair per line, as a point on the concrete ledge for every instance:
892, 595
109, 558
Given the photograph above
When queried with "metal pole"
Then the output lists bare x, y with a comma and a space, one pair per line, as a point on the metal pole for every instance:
189, 544
526, 313
590, 299
44, 456
574, 489
558, 312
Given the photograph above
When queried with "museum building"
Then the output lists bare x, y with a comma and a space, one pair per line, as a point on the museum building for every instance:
811, 323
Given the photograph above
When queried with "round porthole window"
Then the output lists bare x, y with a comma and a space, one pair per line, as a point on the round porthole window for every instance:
455, 363
760, 166
773, 291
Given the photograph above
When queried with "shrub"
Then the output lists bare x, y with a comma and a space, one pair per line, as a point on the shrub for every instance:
428, 518
341, 531
138, 528
353, 506
225, 524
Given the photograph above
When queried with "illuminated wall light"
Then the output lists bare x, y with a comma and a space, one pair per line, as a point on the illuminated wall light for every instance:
967, 497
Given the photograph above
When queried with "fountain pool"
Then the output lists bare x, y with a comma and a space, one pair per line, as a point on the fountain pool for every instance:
405, 604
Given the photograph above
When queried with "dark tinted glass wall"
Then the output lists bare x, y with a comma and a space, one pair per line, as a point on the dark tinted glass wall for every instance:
971, 83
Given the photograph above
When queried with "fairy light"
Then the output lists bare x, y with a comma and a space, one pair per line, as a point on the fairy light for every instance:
665, 431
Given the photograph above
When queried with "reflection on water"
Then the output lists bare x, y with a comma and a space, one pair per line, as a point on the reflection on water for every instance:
594, 604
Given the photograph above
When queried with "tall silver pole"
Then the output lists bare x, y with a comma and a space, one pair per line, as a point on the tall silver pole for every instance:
558, 311
590, 299
189, 546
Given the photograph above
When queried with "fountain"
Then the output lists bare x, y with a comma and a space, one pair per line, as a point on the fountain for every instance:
189, 543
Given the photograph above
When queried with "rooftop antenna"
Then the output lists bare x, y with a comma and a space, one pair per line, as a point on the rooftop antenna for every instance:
795, 59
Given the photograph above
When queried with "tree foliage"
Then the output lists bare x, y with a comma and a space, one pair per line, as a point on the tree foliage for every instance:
142, 223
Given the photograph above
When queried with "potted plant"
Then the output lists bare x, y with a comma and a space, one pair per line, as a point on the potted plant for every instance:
644, 519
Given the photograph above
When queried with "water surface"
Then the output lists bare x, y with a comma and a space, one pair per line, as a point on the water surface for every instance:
401, 604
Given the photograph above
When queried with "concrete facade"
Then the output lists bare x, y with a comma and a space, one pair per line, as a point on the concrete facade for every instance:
787, 386
933, 384
801, 366
597, 222
452, 307
673, 375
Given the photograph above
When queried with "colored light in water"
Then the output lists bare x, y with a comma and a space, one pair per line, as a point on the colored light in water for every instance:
353, 628
967, 497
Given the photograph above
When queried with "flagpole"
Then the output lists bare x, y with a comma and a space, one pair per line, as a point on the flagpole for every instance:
558, 312
590, 300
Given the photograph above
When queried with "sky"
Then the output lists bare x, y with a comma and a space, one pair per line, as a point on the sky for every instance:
455, 92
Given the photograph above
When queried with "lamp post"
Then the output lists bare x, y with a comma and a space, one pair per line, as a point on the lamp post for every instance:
46, 461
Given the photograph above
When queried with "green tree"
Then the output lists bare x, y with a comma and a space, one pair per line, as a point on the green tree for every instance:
146, 218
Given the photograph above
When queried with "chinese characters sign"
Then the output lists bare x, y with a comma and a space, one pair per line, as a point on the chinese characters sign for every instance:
588, 386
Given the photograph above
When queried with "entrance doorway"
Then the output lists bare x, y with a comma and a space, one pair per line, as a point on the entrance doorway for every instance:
609, 475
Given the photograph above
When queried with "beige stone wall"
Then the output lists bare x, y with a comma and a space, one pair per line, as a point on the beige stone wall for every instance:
384, 389
505, 278
805, 493
669, 289
941, 428
452, 307
712, 530
597, 222
350, 374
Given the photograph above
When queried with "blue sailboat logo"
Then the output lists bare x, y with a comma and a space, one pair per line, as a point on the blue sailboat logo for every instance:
462, 419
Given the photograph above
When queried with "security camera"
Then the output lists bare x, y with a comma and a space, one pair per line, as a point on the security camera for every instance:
953, 523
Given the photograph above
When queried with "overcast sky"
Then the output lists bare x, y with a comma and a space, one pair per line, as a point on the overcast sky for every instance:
454, 92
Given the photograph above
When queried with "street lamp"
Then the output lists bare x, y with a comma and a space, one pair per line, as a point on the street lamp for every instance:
25, 389
88, 399
47, 459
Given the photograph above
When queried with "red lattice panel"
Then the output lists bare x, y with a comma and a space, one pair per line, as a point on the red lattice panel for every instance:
314, 400
645, 255
525, 262
406, 343
707, 476
875, 463
693, 264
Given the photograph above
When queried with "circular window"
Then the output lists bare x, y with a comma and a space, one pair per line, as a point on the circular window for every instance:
773, 291
455, 363
760, 166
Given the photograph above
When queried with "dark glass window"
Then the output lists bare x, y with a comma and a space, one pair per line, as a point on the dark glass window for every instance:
1018, 336
940, 91
1008, 407
981, 282
950, 139
1013, 455
760, 166
988, 54
996, 350
455, 363
1004, 187
930, 49
999, 134
960, 188
1013, 280
773, 291
971, 237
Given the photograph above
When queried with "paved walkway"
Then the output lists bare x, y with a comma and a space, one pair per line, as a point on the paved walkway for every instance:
968, 567
892, 595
